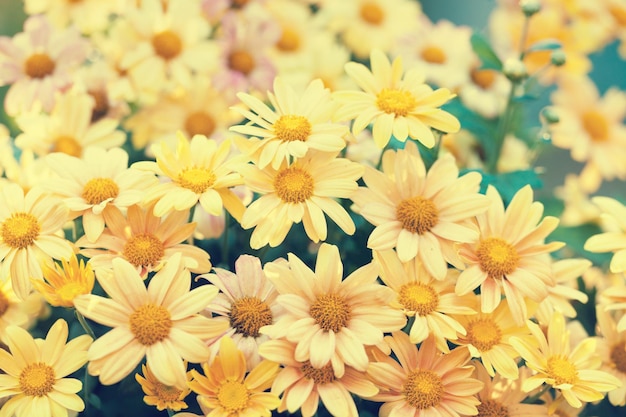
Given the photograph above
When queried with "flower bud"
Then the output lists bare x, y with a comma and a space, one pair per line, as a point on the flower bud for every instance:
530, 7
514, 69
558, 57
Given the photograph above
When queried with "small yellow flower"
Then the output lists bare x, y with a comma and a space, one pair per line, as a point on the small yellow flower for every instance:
65, 282
160, 395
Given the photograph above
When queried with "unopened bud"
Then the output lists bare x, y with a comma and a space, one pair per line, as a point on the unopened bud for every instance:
550, 115
530, 7
514, 69
558, 57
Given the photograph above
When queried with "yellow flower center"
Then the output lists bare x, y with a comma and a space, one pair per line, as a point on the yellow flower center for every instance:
484, 78
70, 290
318, 375
199, 123
241, 61
290, 127
618, 357
417, 214
4, 303
98, 190
421, 298
233, 397
289, 40
166, 394
197, 180
150, 324
39, 65
619, 14
497, 257
596, 125
433, 54
331, 312
423, 389
561, 370
143, 250
248, 315
492, 408
294, 185
167, 44
68, 145
37, 379
20, 230
398, 102
372, 13
483, 333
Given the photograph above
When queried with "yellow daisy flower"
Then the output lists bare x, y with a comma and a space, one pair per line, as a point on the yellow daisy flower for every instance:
510, 254
424, 382
158, 394
300, 192
161, 322
612, 349
226, 391
35, 372
420, 214
402, 106
199, 171
296, 124
331, 319
572, 372
65, 282
16, 312
614, 240
28, 227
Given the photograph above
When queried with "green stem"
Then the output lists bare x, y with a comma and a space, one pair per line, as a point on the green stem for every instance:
84, 324
225, 235
170, 412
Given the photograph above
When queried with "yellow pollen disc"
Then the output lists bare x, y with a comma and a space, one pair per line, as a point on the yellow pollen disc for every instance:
318, 375
241, 61
492, 408
68, 145
497, 257
20, 230
199, 123
372, 13
294, 185
290, 127
143, 250
483, 333
99, 189
167, 44
150, 324
398, 102
248, 315
4, 303
619, 14
70, 290
233, 396
618, 357
484, 78
166, 393
289, 40
417, 214
39, 65
37, 379
417, 297
423, 389
596, 125
433, 54
197, 180
561, 370
101, 104
331, 312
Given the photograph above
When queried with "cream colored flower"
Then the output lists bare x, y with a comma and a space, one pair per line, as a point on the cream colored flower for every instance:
614, 240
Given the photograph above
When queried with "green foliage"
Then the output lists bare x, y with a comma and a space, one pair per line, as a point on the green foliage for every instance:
483, 49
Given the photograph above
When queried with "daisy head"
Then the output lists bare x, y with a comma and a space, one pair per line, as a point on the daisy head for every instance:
17, 312
612, 349
158, 394
65, 281
612, 212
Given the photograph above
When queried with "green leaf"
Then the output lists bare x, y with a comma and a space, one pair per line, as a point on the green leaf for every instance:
483, 49
545, 45
509, 183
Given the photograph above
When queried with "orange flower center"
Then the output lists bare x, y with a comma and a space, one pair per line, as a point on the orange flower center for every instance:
483, 333
492, 408
318, 375
417, 214
98, 190
433, 54
68, 145
4, 303
289, 40
39, 65
398, 102
618, 357
248, 315
233, 397
596, 125
619, 14
37, 379
150, 324
167, 44
290, 127
197, 180
101, 104
418, 297
294, 185
20, 230
331, 312
423, 389
497, 257
143, 250
166, 394
237, 4
372, 13
561, 370
199, 123
241, 61
484, 78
